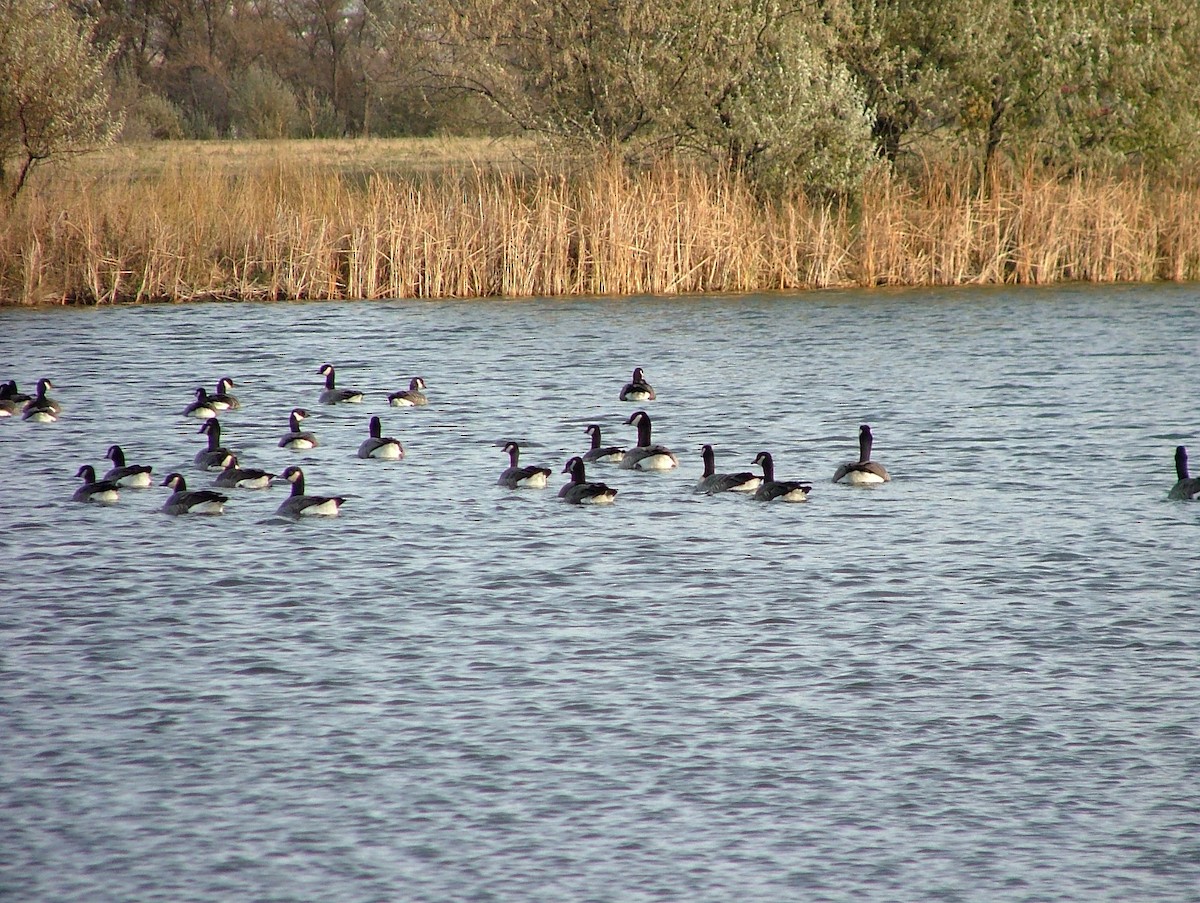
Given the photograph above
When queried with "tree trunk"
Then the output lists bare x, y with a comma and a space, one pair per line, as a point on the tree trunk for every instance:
22, 175
995, 130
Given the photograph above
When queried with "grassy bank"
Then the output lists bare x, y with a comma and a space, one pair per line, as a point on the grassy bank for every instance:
348, 219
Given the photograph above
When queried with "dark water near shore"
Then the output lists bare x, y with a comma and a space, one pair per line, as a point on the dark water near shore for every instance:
978, 682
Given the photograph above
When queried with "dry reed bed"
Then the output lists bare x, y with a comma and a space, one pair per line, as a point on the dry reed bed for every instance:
287, 231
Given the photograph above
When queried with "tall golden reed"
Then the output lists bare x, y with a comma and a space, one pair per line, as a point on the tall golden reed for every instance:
283, 230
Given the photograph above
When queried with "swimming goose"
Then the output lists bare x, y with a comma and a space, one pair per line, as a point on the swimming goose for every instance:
235, 477
380, 446
297, 438
9, 405
646, 455
221, 399
864, 471
610, 454
135, 476
42, 408
334, 395
637, 389
191, 501
214, 457
21, 398
579, 491
517, 477
202, 408
783, 490
713, 482
1186, 487
104, 492
412, 397
299, 505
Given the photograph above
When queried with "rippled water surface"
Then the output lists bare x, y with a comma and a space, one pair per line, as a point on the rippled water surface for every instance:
978, 682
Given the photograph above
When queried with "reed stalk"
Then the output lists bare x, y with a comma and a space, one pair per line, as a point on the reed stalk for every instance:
281, 229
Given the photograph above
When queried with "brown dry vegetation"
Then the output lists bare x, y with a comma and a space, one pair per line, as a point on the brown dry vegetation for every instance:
430, 219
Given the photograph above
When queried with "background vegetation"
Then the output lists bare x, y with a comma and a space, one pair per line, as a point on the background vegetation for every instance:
791, 91
799, 113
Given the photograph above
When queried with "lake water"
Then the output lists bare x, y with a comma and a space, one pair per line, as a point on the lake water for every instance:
978, 682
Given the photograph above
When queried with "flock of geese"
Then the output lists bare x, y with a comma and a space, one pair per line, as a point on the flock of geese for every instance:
646, 455
214, 457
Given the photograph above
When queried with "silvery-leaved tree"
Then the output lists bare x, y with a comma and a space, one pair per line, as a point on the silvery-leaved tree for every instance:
1065, 82
751, 83
53, 98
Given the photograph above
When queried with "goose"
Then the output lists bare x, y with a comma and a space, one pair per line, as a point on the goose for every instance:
10, 404
611, 454
189, 501
203, 408
864, 471
42, 408
135, 476
379, 446
783, 490
637, 389
412, 397
214, 457
236, 477
334, 395
579, 491
646, 455
21, 398
712, 482
1186, 487
299, 505
517, 477
221, 399
103, 492
297, 438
